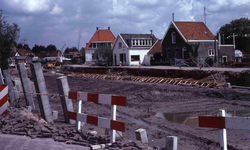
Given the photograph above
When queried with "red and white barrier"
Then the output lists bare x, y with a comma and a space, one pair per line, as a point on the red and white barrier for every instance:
224, 123
98, 121
3, 99
98, 98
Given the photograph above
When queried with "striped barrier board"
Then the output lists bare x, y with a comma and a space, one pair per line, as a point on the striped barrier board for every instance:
3, 99
224, 122
98, 121
98, 98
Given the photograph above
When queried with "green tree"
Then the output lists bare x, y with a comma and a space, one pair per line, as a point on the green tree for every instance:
9, 33
104, 56
241, 29
51, 48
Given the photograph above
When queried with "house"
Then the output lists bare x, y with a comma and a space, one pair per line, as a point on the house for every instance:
156, 48
21, 56
101, 39
131, 49
189, 40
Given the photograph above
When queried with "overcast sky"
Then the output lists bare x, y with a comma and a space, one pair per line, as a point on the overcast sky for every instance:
59, 22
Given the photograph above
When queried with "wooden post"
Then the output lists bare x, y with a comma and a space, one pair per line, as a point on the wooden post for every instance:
223, 133
113, 117
67, 104
43, 100
9, 82
26, 85
1, 77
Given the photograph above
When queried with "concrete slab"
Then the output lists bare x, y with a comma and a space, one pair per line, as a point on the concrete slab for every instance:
15, 142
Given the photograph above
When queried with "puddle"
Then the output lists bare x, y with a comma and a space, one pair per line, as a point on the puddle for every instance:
190, 119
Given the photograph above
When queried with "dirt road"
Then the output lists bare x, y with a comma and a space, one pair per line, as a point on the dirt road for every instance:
163, 110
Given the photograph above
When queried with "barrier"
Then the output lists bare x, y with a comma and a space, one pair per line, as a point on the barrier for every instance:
3, 99
94, 120
224, 123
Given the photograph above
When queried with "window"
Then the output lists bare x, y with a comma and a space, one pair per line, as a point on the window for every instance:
211, 52
140, 42
173, 38
94, 45
135, 57
120, 45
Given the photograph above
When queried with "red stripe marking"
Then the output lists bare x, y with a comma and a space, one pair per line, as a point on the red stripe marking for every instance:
117, 125
2, 87
3, 100
5, 112
72, 95
212, 122
92, 120
119, 100
71, 115
93, 97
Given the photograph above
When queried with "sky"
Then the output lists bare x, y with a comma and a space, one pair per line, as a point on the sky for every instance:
74, 22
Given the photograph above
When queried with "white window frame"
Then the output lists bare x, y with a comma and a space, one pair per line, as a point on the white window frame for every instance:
173, 38
93, 45
209, 52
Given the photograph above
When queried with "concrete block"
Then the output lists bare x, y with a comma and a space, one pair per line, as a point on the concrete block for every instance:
43, 100
171, 142
141, 135
1, 77
26, 85
55, 115
8, 81
29, 108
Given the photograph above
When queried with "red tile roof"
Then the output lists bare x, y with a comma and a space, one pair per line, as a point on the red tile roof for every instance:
101, 35
22, 52
75, 54
156, 48
194, 30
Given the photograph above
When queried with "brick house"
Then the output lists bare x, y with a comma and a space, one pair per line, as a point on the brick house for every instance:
189, 40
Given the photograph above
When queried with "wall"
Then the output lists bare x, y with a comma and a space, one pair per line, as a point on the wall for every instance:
88, 55
118, 51
142, 53
227, 50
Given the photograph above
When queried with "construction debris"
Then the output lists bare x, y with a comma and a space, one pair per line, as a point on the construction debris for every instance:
175, 81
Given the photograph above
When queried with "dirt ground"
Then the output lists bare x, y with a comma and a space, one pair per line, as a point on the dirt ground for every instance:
161, 109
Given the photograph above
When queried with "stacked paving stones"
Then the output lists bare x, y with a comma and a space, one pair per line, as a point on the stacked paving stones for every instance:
19, 121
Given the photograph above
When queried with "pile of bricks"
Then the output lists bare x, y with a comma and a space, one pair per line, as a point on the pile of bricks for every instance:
19, 121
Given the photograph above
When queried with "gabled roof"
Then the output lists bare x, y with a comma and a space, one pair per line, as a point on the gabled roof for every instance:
191, 31
22, 52
127, 38
156, 48
101, 35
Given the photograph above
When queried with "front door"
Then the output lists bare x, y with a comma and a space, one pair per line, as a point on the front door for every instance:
224, 59
123, 58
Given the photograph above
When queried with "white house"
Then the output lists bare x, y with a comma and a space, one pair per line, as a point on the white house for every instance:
131, 49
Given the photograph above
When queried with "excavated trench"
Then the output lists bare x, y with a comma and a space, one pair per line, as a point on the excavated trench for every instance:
235, 78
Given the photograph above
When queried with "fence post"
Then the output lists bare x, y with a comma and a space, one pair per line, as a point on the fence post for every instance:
26, 85
223, 133
67, 105
113, 117
1, 77
43, 100
78, 125
9, 82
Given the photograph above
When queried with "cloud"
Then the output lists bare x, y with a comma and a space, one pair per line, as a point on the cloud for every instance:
56, 10
29, 5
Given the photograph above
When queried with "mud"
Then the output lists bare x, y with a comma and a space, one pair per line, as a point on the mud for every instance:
146, 99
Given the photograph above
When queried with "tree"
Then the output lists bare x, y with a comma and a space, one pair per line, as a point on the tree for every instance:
19, 46
104, 56
73, 49
26, 46
9, 33
51, 48
241, 29
36, 49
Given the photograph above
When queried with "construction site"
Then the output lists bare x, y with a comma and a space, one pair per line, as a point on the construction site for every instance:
164, 102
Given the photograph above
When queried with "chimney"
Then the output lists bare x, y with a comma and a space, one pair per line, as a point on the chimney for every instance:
97, 28
172, 16
151, 32
108, 28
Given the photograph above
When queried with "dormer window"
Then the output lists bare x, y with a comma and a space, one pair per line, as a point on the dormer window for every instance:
141, 42
173, 38
94, 45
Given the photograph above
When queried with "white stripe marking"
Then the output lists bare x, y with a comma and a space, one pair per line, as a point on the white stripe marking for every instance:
4, 92
104, 99
103, 122
81, 117
3, 108
82, 96
237, 123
